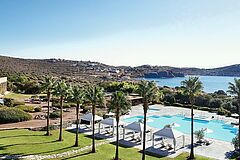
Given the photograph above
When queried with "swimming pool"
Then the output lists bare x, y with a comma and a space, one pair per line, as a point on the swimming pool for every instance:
215, 129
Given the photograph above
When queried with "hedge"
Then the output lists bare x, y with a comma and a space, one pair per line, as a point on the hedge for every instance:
54, 115
16, 103
11, 115
37, 109
25, 108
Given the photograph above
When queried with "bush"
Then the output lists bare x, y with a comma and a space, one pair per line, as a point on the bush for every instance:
25, 108
54, 115
215, 103
37, 109
65, 105
2, 106
16, 103
11, 115
228, 106
169, 98
222, 111
235, 142
199, 135
8, 102
202, 100
204, 108
70, 104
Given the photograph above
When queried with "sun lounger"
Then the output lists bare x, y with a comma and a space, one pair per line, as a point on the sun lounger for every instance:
109, 131
163, 144
169, 147
208, 142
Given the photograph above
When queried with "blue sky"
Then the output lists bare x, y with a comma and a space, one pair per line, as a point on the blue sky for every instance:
182, 33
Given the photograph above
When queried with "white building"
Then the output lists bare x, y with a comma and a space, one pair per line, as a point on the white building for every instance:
3, 85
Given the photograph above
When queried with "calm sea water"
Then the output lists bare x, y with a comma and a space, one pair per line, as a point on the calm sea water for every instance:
210, 83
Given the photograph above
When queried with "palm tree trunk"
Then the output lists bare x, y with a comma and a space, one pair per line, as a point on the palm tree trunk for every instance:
93, 129
144, 130
117, 140
61, 119
192, 150
48, 114
77, 124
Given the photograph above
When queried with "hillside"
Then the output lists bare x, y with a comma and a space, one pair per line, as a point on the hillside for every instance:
87, 69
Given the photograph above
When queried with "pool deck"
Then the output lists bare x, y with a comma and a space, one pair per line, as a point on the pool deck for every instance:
217, 150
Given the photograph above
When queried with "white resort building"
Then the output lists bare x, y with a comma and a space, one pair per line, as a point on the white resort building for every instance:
3, 85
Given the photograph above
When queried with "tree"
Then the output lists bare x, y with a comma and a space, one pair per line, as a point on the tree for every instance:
192, 87
147, 90
199, 134
48, 86
95, 96
119, 105
62, 91
234, 89
77, 96
235, 142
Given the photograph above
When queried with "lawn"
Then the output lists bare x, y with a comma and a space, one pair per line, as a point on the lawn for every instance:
19, 96
25, 142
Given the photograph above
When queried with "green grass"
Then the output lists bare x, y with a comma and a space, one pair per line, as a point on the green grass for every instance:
19, 96
25, 142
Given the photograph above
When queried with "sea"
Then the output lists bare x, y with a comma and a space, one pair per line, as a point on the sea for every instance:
210, 83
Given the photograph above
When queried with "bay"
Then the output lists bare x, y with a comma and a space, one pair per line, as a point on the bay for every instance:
210, 83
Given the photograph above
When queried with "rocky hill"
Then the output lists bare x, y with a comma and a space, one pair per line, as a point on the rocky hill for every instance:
86, 69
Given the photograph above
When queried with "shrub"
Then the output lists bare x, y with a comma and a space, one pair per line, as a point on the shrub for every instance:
54, 115
70, 104
204, 108
199, 135
215, 103
222, 111
235, 142
11, 115
25, 108
169, 98
8, 102
202, 100
16, 103
65, 105
2, 106
37, 109
228, 106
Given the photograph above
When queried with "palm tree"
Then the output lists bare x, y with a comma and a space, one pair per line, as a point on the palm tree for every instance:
95, 96
61, 90
191, 87
147, 90
48, 86
234, 89
119, 105
77, 96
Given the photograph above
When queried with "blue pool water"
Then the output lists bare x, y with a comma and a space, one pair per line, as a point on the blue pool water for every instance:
210, 83
216, 129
